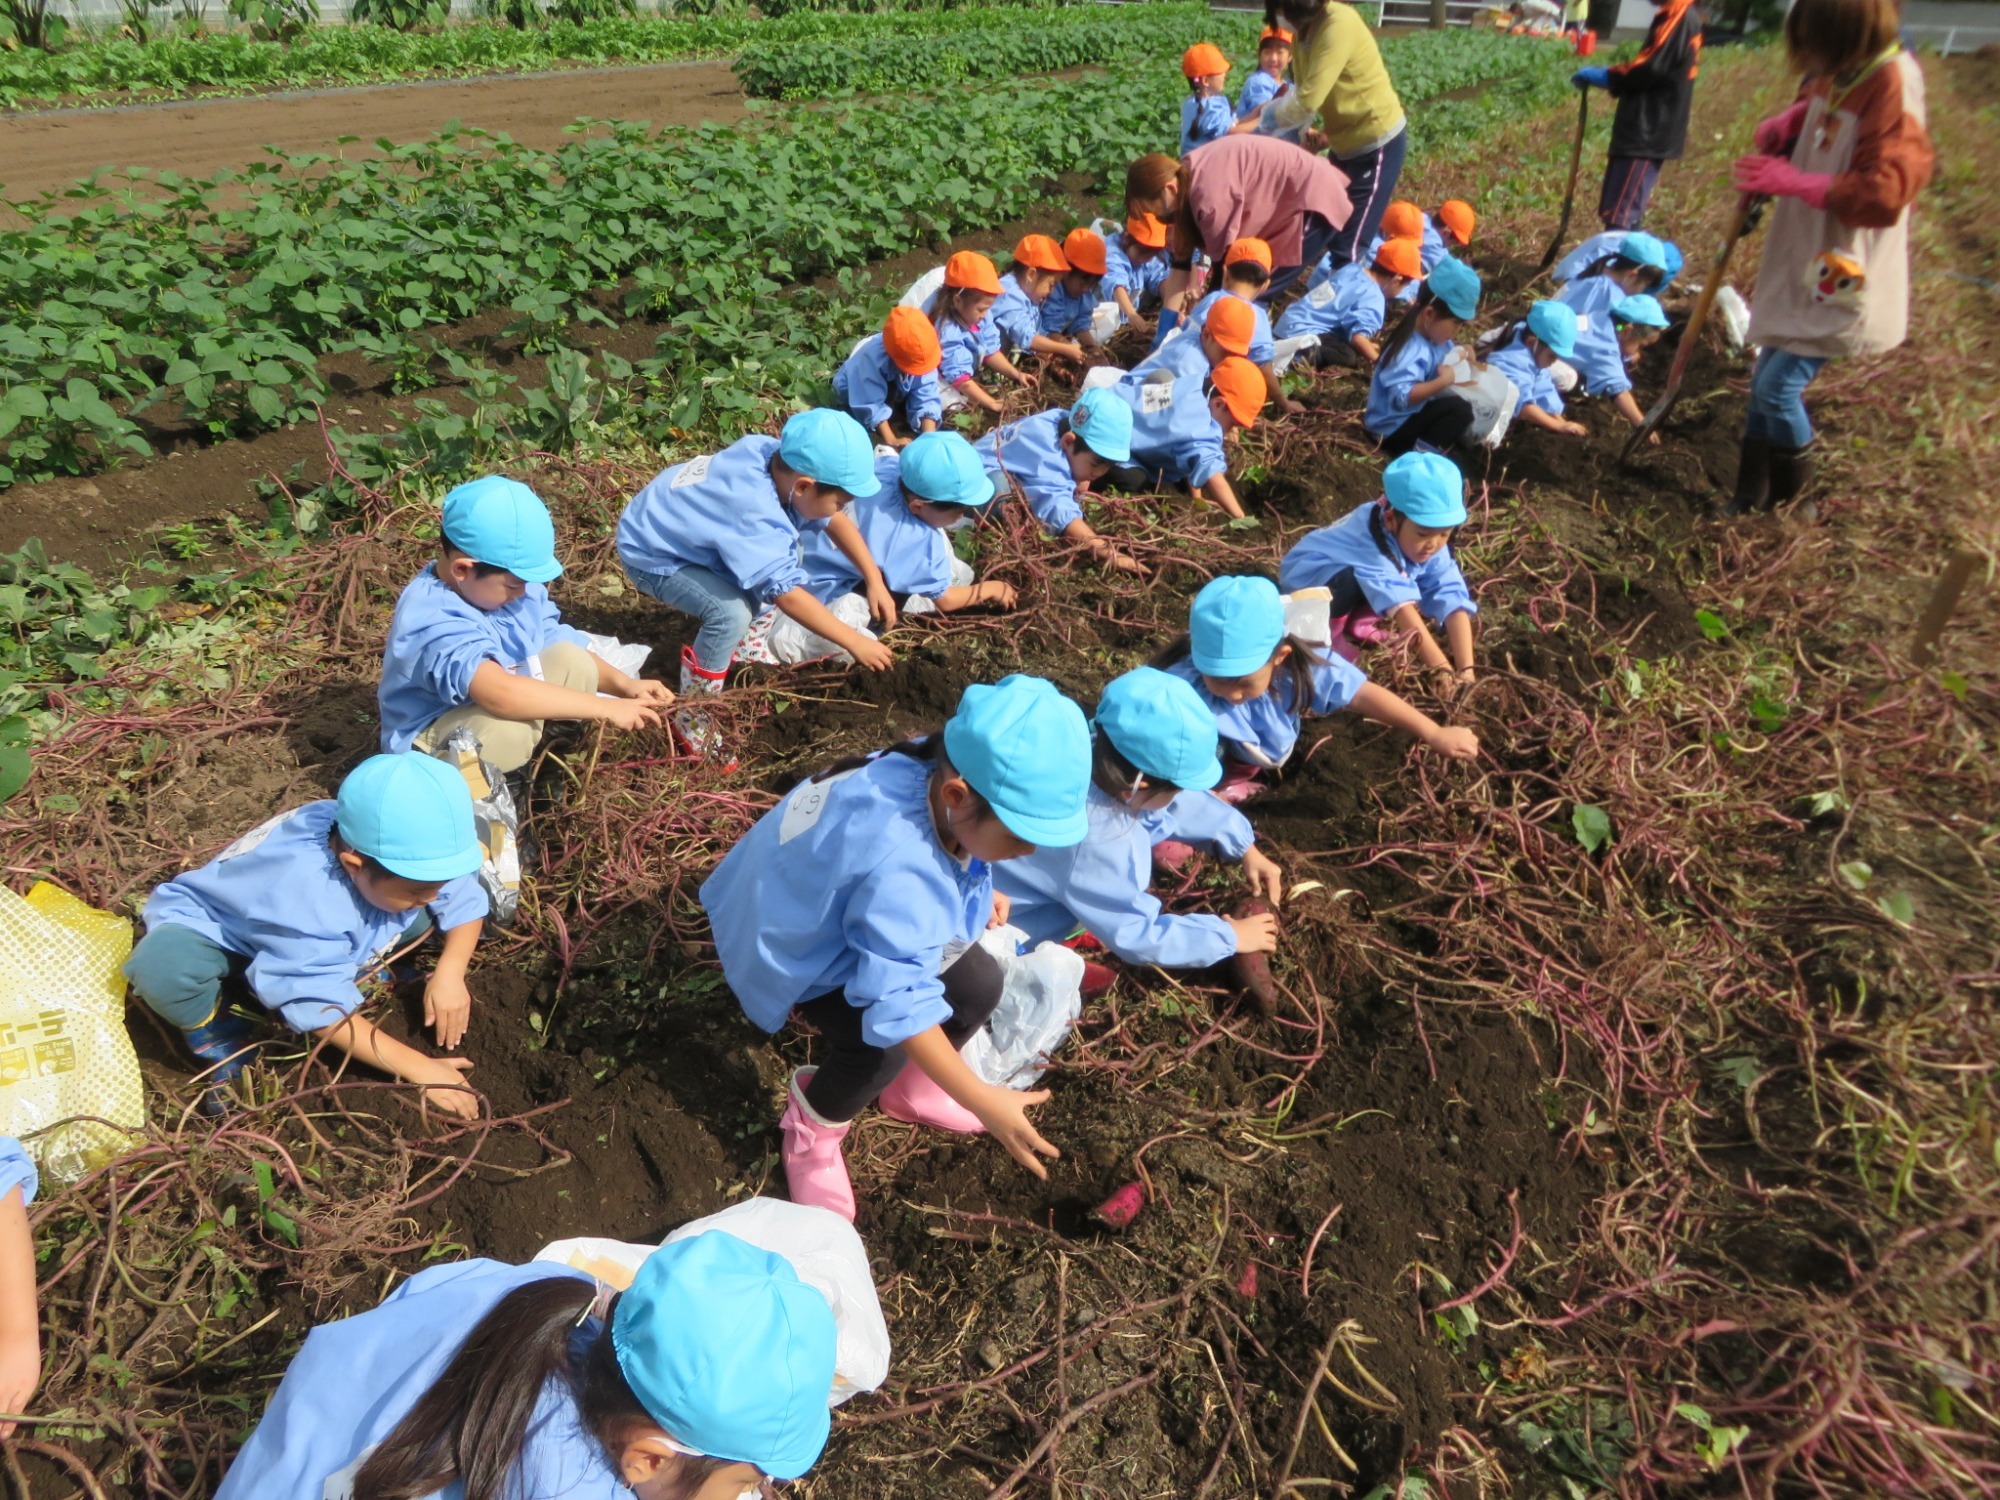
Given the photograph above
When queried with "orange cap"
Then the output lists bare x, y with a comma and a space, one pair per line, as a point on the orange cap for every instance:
1402, 220
1403, 258
1248, 248
1203, 59
1041, 252
970, 271
1457, 216
1147, 230
911, 341
1232, 324
1242, 388
1084, 250
1273, 34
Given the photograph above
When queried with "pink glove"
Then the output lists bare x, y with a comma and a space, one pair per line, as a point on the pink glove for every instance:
1775, 135
1774, 177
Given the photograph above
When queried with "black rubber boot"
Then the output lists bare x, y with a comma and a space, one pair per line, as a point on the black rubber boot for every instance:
1791, 472
1753, 479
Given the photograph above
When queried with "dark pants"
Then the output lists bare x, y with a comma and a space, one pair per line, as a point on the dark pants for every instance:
1628, 187
1332, 349
184, 977
1371, 187
1440, 421
1318, 236
852, 1071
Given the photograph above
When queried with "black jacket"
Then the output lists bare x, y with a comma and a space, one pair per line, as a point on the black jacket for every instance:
1655, 91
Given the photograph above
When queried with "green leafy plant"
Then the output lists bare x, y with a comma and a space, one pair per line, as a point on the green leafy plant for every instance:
399, 15
1718, 1440
1591, 825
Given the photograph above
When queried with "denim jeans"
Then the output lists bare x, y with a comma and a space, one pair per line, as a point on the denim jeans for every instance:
725, 611
1777, 398
1371, 186
182, 974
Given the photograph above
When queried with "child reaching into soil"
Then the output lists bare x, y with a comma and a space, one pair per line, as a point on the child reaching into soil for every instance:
1346, 312
1072, 302
1260, 681
1633, 270
1039, 264
1246, 273
709, 1374
1187, 409
1410, 399
1205, 113
1153, 762
858, 902
1388, 563
20, 1314
1525, 352
894, 374
1051, 460
303, 907
1135, 267
968, 338
1602, 245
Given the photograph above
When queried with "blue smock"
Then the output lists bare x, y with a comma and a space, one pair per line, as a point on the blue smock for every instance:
1263, 349
1259, 89
1360, 561
1027, 457
356, 1378
914, 556
1138, 279
1204, 120
1347, 303
1514, 360
965, 349
1389, 405
1264, 731
873, 388
278, 897
437, 640
1101, 883
1064, 316
720, 512
1015, 319
1598, 361
844, 886
1588, 254
17, 1170
1174, 434
1430, 248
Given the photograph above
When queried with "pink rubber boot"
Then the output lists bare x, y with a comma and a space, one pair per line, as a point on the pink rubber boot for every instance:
814, 1168
914, 1097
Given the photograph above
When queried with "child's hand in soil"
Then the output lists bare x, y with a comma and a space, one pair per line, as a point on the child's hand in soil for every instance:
628, 713
445, 1093
1255, 934
447, 1007
1458, 743
995, 591
1263, 874
1111, 557
647, 690
1004, 1113
20, 1372
882, 605
873, 655
1574, 429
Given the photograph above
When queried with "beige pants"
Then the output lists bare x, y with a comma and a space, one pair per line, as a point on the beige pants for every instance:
506, 744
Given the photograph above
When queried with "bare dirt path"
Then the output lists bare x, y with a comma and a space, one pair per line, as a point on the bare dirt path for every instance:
198, 137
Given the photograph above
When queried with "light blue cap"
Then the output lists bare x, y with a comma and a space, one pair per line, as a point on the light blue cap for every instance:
1025, 748
830, 447
1554, 323
1235, 626
1674, 259
944, 468
1640, 308
1159, 723
1102, 421
729, 1352
411, 814
502, 523
1456, 285
1427, 487
1643, 249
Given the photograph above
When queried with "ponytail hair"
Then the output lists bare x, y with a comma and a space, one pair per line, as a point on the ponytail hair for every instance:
927, 749
472, 1424
1604, 264
1408, 324
1146, 180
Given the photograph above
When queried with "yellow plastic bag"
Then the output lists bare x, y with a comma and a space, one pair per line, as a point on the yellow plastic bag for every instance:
64, 1050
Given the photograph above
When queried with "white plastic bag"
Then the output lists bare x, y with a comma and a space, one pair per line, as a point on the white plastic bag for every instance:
1735, 314
821, 1246
923, 291
1288, 350
1105, 319
1490, 393
1100, 377
1309, 615
1040, 1000
1564, 375
776, 639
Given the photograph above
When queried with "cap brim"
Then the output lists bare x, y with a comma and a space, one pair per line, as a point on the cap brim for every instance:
1459, 307
1210, 774
1044, 833
1122, 456
801, 1451
464, 862
1230, 666
860, 485
544, 572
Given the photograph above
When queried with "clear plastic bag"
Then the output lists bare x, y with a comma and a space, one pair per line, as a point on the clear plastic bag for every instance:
1039, 1003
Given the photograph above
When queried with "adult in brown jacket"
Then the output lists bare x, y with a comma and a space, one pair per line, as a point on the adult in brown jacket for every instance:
1844, 162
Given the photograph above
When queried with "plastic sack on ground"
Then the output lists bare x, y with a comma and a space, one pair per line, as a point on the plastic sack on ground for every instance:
961, 577
1105, 320
496, 820
822, 1247
1309, 615
1491, 394
1041, 999
923, 291
1100, 377
628, 657
777, 640
1288, 350
1735, 315
64, 1050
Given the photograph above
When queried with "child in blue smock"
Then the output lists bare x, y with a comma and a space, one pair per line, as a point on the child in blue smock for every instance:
1205, 113
1260, 681
858, 903
1525, 354
1184, 413
477, 642
1135, 268
1633, 270
1605, 244
1447, 232
893, 374
711, 1372
1051, 460
1152, 766
1346, 312
299, 909
1267, 80
1410, 399
1039, 266
1388, 563
1072, 302
968, 337
20, 1316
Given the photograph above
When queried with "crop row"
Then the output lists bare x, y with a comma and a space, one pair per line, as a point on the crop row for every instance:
173, 65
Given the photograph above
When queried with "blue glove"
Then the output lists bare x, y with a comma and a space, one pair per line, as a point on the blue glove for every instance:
1591, 78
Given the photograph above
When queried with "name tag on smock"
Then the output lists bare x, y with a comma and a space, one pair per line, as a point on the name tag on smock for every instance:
694, 471
807, 805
